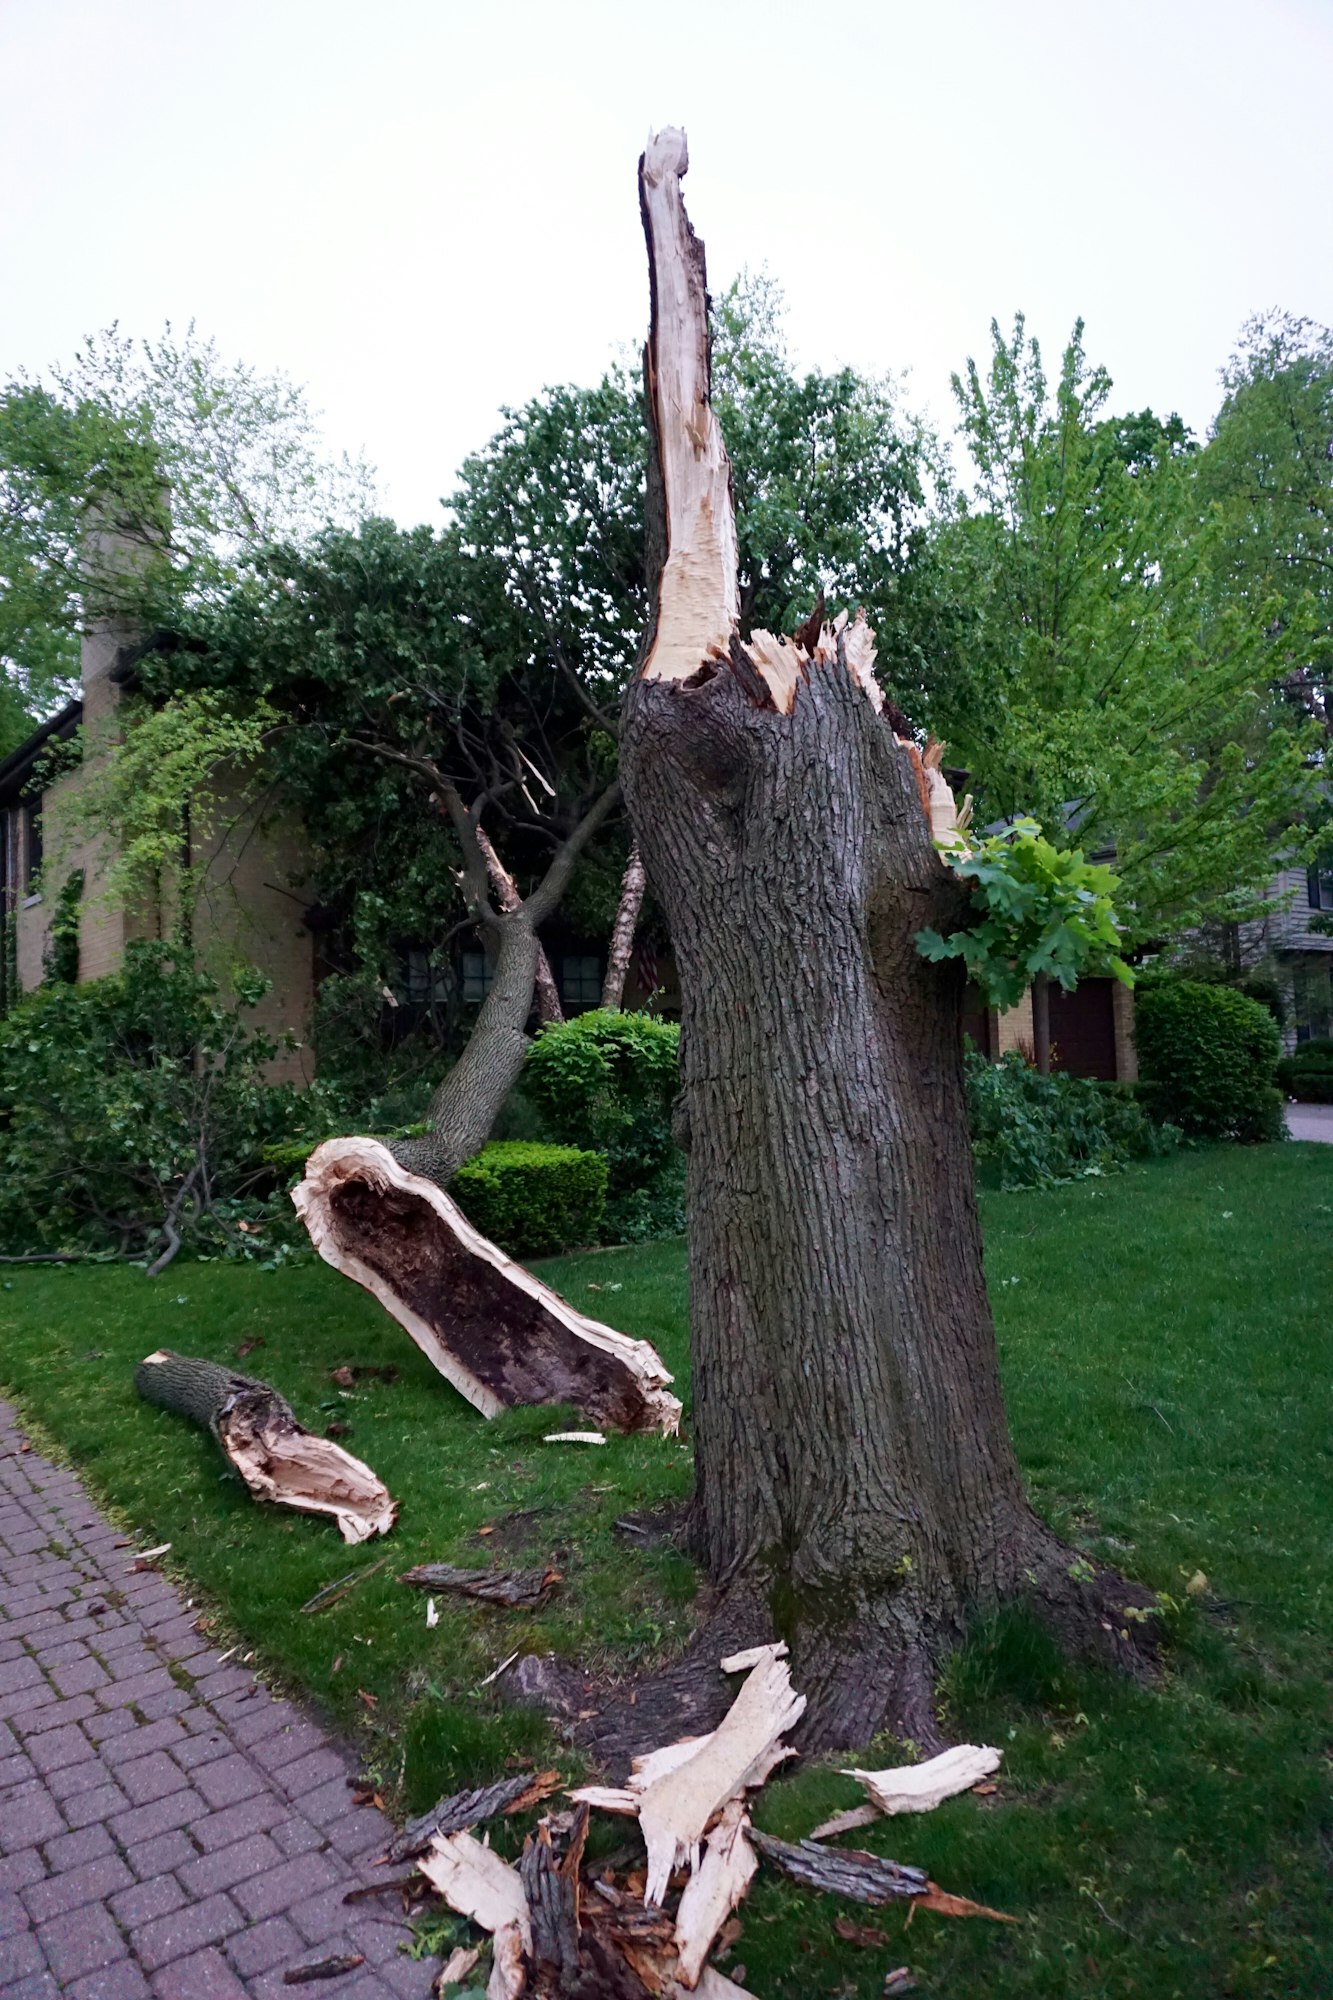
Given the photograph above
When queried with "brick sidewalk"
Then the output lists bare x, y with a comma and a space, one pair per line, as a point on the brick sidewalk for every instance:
166, 1826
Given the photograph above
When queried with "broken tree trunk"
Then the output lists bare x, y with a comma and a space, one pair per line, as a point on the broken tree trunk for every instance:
549, 1010
855, 1480
497, 1333
277, 1457
621, 948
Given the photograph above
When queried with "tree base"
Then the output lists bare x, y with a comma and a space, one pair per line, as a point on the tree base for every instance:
873, 1674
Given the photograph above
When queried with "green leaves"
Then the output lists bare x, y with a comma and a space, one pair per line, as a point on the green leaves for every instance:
1039, 909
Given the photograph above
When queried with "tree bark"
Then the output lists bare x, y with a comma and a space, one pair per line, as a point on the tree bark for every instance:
632, 886
856, 1486
469, 1098
1041, 1023
257, 1432
549, 1010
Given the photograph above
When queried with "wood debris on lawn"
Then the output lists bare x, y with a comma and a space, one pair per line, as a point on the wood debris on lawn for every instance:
560, 1929
464, 1810
276, 1456
574, 1437
456, 1967
333, 1592
493, 1330
914, 1788
523, 1589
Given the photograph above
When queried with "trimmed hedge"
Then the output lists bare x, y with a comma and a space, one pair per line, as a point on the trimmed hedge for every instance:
531, 1199
1208, 1059
1307, 1078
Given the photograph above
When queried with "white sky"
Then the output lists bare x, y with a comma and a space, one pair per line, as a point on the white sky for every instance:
423, 209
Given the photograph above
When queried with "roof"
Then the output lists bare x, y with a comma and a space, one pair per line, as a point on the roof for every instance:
17, 768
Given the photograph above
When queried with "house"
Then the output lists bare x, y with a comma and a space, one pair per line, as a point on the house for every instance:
251, 863
255, 903
1285, 941
1092, 1029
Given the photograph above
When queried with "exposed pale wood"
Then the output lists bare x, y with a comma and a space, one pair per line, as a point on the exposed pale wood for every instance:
279, 1460
678, 1806
478, 1884
574, 1437
498, 1334
741, 1663
944, 1905
698, 602
714, 1889
947, 818
549, 1010
846, 1822
457, 1966
781, 665
609, 1798
509, 1976
619, 951
918, 1788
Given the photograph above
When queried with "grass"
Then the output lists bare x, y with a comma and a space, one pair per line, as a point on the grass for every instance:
1164, 1338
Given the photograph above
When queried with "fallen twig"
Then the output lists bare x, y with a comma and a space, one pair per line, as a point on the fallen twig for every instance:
323, 1968
331, 1592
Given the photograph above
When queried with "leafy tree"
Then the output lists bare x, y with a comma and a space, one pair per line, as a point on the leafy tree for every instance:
192, 463
1268, 473
1091, 671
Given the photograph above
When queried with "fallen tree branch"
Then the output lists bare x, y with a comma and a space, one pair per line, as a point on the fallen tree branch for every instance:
499, 1335
865, 1878
278, 1459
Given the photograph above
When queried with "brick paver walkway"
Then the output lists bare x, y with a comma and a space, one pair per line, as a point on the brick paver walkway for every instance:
167, 1827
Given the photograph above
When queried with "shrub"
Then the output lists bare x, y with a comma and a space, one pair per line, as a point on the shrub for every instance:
532, 1199
1308, 1078
131, 1099
1036, 1131
606, 1081
1208, 1057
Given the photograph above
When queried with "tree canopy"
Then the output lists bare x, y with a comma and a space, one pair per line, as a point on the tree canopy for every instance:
1092, 669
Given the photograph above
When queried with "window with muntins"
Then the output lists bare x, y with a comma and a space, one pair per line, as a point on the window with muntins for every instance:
1319, 882
580, 980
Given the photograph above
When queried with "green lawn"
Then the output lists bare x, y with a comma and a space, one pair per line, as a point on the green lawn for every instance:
1165, 1342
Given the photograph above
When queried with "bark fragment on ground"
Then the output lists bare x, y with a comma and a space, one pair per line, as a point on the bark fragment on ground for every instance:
278, 1459
521, 1588
842, 1871
463, 1810
499, 1335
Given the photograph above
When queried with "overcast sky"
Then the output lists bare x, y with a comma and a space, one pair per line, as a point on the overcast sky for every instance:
425, 209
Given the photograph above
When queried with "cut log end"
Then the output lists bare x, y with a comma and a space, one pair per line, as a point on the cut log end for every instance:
278, 1459
499, 1335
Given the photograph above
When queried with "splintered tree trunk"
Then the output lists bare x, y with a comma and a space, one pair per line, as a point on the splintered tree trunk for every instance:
621, 949
856, 1486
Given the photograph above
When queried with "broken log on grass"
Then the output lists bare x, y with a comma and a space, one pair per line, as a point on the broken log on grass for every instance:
463, 1810
257, 1431
499, 1335
521, 1589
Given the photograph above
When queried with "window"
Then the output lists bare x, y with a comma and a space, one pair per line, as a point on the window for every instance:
581, 981
1320, 885
423, 980
1312, 996
478, 972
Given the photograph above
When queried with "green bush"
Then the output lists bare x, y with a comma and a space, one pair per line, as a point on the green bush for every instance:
129, 1099
1036, 1131
1208, 1058
606, 1081
1307, 1078
531, 1199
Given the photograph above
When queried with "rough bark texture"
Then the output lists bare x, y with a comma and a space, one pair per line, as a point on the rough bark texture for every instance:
492, 1329
621, 948
278, 1459
856, 1486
